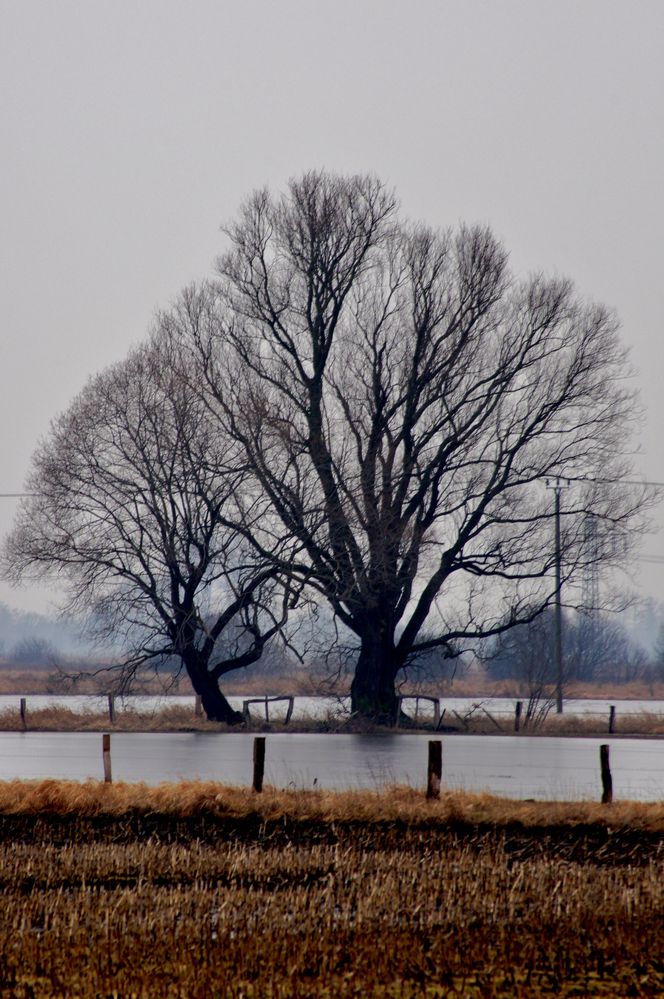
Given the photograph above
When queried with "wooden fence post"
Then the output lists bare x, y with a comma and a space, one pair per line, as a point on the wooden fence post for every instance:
607, 782
259, 763
111, 708
612, 719
266, 701
434, 768
106, 756
198, 706
518, 708
24, 722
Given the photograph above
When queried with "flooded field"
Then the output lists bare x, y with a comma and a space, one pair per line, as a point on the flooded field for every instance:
544, 768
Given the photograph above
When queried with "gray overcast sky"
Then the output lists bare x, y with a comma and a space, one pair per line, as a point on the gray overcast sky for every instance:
132, 130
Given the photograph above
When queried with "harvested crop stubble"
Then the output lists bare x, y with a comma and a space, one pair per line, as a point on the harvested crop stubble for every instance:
249, 920
198, 890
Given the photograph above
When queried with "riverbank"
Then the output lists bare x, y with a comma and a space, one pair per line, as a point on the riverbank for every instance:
200, 890
38, 704
181, 718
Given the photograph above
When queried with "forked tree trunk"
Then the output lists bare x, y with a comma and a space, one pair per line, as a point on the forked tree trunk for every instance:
215, 705
372, 691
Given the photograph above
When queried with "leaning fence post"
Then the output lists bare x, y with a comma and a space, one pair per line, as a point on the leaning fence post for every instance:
259, 763
434, 768
607, 782
22, 710
106, 756
612, 719
518, 708
289, 711
198, 706
111, 708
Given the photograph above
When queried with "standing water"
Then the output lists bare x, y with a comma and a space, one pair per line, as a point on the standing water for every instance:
545, 768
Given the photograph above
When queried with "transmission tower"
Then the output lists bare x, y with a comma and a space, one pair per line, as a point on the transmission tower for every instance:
590, 593
591, 575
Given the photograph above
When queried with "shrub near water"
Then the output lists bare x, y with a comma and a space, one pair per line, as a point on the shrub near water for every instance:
198, 890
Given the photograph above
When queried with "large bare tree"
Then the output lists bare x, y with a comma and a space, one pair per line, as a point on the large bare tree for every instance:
134, 493
401, 399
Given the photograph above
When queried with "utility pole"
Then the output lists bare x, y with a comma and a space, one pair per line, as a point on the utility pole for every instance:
558, 485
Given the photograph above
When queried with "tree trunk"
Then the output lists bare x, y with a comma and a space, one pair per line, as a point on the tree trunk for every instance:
372, 690
215, 705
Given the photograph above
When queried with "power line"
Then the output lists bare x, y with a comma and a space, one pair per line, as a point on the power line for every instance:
607, 482
613, 482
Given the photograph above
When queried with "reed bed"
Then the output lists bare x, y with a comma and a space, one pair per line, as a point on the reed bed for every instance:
198, 890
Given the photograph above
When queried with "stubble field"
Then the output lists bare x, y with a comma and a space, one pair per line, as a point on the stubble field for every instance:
201, 891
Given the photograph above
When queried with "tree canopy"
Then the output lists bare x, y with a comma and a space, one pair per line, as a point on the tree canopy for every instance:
401, 399
358, 407
133, 496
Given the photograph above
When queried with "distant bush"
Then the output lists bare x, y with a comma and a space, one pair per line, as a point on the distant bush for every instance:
32, 652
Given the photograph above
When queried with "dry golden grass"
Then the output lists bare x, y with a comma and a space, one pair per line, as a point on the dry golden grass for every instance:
195, 890
181, 718
90, 679
475, 685
33, 680
397, 805
175, 718
644, 723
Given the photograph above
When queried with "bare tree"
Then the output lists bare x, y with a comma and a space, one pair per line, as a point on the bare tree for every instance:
133, 498
593, 651
400, 398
